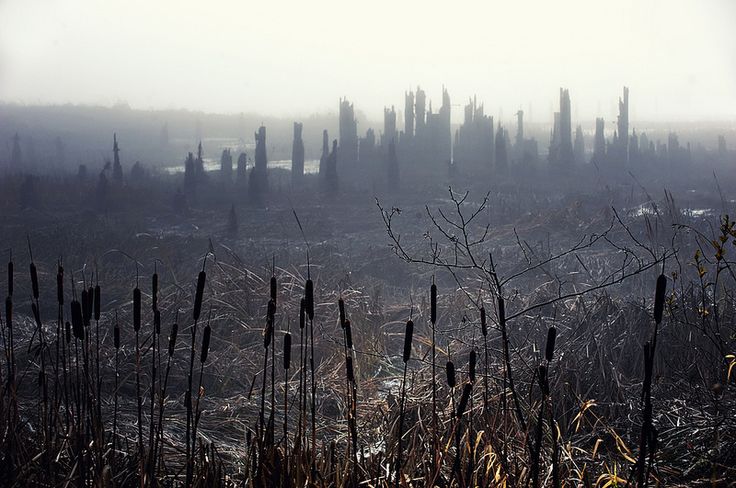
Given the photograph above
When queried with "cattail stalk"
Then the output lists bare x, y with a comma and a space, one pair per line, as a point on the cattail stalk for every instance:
301, 428
199, 294
536, 451
172, 347
139, 398
200, 392
549, 354
287, 366
116, 343
647, 427
406, 356
433, 320
309, 295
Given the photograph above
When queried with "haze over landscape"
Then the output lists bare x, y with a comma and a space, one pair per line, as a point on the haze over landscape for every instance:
295, 58
380, 244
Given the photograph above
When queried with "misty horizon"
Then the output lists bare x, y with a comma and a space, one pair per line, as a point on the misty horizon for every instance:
678, 58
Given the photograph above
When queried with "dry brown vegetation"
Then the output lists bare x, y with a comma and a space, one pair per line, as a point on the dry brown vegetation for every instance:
103, 402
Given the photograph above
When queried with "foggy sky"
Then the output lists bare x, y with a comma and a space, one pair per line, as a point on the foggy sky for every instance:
295, 58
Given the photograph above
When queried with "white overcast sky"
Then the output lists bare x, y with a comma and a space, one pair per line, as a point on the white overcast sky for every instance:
294, 58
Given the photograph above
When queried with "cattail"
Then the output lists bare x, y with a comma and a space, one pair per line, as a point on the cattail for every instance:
433, 302
97, 303
659, 298
274, 288
407, 340
157, 321
90, 306
77, 319
60, 285
116, 335
464, 400
154, 291
309, 295
267, 335
647, 361
172, 338
205, 343
501, 311
287, 350
34, 280
199, 294
85, 307
68, 331
10, 278
9, 312
471, 365
450, 370
271, 312
543, 382
349, 367
302, 312
550, 349
483, 323
348, 334
341, 307
136, 309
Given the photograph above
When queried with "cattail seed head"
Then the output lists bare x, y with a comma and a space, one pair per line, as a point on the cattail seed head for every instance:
501, 312
84, 302
154, 291
483, 322
97, 300
350, 370
136, 309
464, 400
287, 350
9, 312
549, 352
450, 371
172, 338
659, 298
274, 288
10, 278
157, 321
407, 340
68, 331
433, 303
77, 319
60, 285
341, 308
271, 313
90, 306
205, 343
34, 281
198, 295
302, 312
471, 365
116, 336
348, 334
268, 332
309, 296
